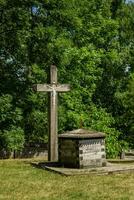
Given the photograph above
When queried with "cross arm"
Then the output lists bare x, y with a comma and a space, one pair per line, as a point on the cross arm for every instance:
62, 87
42, 88
51, 87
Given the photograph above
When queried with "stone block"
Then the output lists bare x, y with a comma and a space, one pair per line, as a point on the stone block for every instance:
82, 149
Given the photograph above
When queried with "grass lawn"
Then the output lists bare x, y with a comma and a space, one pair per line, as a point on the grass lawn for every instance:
19, 180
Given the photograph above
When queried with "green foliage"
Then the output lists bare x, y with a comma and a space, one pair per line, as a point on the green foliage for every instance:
9, 114
36, 127
13, 139
89, 43
126, 119
11, 135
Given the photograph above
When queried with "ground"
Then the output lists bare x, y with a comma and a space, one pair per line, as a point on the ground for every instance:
20, 180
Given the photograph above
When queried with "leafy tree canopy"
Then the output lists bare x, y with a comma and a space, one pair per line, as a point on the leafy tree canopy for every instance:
93, 52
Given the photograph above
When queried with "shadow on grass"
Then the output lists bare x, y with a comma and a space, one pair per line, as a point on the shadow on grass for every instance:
43, 165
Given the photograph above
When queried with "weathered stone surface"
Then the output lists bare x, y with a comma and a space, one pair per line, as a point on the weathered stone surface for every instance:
82, 133
82, 149
68, 152
109, 169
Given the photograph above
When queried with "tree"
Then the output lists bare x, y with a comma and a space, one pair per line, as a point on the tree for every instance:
123, 95
11, 133
82, 39
126, 119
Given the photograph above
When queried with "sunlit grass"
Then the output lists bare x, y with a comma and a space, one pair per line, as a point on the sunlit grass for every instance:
19, 180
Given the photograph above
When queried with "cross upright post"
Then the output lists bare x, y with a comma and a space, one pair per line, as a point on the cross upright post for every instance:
53, 88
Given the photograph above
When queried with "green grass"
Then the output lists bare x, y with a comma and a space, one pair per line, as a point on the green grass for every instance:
20, 181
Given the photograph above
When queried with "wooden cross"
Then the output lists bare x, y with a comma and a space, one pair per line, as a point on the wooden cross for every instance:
53, 88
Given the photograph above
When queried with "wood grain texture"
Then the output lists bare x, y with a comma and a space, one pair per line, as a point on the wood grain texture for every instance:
53, 88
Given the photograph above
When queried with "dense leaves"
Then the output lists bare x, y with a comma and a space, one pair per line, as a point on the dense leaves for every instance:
91, 43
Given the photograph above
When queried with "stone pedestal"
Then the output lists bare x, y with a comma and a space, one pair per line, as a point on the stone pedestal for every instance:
82, 149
